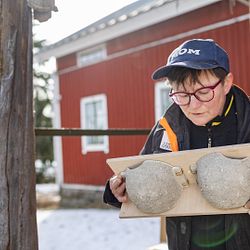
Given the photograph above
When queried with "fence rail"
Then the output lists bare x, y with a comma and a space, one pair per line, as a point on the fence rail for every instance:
95, 132
89, 132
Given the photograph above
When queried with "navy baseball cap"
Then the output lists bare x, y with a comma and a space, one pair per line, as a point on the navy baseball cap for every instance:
195, 54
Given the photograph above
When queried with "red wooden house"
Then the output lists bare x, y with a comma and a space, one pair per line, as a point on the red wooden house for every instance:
104, 75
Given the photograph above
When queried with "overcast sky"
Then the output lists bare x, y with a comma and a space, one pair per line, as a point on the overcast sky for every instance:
74, 15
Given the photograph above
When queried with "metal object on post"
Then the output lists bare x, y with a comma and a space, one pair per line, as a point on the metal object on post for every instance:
42, 9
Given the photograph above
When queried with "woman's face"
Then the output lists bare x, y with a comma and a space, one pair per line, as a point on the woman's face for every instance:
200, 113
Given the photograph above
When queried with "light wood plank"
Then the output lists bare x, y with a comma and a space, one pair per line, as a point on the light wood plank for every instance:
191, 201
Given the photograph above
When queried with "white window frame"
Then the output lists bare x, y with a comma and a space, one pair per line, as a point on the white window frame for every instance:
159, 86
86, 147
91, 56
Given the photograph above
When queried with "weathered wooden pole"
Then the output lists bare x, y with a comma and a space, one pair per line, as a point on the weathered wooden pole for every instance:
18, 228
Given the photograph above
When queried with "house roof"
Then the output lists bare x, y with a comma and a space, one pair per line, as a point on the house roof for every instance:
127, 12
135, 16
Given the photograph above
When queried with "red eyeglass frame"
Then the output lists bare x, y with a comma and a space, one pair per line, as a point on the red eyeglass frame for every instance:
212, 87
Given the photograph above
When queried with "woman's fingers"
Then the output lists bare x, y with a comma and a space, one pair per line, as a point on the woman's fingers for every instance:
118, 188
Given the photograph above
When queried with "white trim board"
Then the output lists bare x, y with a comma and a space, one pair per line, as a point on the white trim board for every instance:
57, 140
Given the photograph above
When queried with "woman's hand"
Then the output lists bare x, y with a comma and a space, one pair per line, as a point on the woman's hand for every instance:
118, 188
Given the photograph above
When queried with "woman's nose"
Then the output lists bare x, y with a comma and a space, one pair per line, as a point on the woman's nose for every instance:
194, 102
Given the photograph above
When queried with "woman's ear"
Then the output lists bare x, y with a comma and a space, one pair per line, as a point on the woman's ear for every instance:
228, 82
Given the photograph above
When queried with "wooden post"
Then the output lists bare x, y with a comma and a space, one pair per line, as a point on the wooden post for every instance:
163, 235
18, 228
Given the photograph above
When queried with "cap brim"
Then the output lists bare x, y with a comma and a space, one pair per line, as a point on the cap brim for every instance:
163, 71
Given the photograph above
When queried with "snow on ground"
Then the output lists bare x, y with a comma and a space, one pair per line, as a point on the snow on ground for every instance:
47, 188
94, 229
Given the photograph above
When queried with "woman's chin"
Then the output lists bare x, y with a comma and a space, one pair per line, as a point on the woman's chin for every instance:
199, 121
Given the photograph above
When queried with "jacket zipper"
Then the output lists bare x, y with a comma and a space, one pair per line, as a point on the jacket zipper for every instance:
209, 139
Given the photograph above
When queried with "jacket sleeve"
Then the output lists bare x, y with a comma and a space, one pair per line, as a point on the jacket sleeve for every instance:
148, 146
109, 198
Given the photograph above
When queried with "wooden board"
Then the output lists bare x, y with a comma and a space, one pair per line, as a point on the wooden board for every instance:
191, 201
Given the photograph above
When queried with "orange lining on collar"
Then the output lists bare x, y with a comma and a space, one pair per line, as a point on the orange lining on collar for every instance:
171, 135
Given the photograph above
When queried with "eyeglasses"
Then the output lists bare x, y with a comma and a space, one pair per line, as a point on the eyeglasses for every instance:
204, 94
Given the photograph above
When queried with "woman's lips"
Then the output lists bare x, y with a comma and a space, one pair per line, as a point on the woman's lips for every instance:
197, 114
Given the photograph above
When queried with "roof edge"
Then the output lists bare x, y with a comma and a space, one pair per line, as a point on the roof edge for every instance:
151, 17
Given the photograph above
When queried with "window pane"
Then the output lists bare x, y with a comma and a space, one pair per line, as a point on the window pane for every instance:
165, 99
91, 56
89, 118
94, 140
94, 120
94, 116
